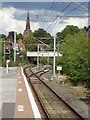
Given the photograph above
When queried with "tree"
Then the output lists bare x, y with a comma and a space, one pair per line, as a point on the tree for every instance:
43, 36
30, 44
3, 36
75, 57
41, 33
19, 36
70, 29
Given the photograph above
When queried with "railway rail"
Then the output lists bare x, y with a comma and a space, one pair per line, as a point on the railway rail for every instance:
53, 106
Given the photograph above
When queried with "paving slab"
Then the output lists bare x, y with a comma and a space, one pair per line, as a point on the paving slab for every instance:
8, 110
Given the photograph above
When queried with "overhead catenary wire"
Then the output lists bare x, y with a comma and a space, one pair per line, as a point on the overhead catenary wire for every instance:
48, 17
49, 12
74, 9
82, 6
59, 14
65, 15
59, 17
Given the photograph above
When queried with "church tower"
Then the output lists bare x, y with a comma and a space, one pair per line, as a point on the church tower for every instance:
27, 31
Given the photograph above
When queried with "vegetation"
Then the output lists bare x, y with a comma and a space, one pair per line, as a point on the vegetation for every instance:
41, 33
75, 57
30, 44
89, 61
70, 29
19, 36
0, 54
3, 36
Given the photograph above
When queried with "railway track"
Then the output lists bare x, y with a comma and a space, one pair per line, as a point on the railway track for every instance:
52, 105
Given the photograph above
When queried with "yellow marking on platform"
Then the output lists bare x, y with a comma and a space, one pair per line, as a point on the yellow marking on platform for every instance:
20, 90
19, 82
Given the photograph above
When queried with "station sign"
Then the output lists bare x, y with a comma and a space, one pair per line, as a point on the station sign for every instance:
44, 54
59, 67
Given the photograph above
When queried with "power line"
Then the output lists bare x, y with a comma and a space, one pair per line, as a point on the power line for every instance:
59, 14
79, 16
82, 6
49, 12
65, 15
74, 9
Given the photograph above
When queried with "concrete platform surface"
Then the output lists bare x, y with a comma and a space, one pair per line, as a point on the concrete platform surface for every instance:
8, 83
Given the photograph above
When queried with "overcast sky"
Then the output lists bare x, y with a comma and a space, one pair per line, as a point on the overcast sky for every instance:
52, 16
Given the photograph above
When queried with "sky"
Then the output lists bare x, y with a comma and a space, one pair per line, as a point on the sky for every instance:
51, 16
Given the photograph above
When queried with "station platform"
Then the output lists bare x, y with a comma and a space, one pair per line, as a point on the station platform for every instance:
17, 97
18, 100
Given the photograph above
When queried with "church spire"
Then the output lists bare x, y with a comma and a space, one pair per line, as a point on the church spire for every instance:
28, 15
27, 31
28, 22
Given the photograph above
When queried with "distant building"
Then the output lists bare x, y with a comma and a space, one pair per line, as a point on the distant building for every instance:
27, 31
21, 45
